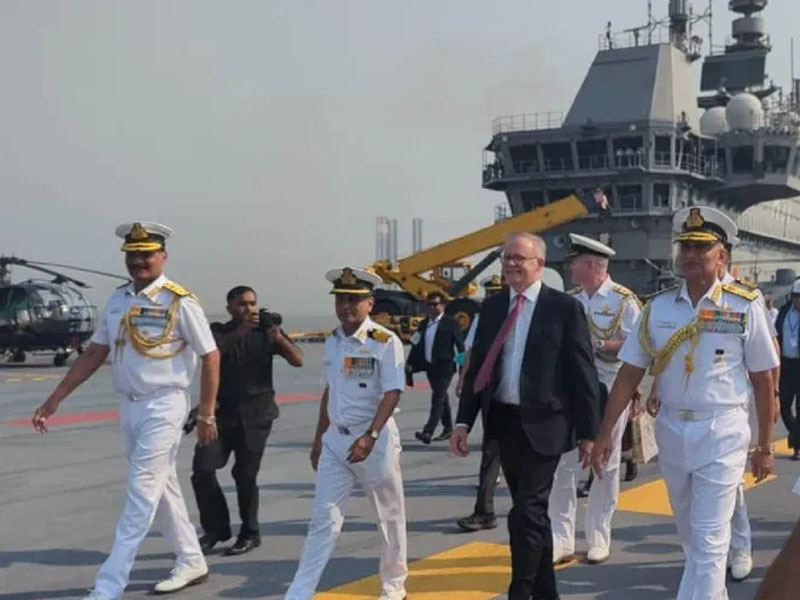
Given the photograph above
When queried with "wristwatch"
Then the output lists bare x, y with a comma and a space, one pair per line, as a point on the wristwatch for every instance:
768, 450
598, 344
373, 433
210, 420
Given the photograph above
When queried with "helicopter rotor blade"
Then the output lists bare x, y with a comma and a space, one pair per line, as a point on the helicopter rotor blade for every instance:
83, 269
21, 262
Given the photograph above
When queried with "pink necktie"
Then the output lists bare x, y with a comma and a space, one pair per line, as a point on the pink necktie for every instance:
485, 372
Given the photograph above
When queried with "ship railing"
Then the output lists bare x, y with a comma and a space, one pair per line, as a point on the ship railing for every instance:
631, 38
693, 164
528, 122
597, 161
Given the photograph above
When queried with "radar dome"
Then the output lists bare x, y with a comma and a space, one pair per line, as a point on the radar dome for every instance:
714, 121
744, 112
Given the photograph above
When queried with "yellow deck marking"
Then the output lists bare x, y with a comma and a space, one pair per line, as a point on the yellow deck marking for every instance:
652, 499
474, 571
782, 447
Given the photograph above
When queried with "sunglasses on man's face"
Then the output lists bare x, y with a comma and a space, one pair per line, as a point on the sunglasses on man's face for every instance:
434, 303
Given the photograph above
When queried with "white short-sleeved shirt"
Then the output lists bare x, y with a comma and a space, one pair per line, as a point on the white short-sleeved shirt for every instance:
733, 341
139, 375
610, 302
359, 369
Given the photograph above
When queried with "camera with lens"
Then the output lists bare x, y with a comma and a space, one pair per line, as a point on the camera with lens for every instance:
266, 319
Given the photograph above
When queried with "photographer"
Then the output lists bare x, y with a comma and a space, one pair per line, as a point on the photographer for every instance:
245, 411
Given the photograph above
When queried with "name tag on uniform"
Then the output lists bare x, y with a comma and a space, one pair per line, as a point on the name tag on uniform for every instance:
666, 324
721, 321
360, 367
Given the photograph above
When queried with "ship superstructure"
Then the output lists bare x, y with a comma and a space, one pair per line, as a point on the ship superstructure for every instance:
635, 131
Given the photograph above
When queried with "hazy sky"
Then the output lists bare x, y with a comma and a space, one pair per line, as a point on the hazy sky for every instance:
270, 134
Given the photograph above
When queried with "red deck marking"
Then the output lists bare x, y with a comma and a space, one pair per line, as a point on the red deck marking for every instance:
102, 416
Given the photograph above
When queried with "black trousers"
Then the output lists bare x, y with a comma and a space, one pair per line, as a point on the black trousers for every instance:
440, 376
790, 395
490, 469
530, 477
247, 445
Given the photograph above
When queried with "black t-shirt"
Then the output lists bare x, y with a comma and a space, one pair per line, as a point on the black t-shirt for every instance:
245, 384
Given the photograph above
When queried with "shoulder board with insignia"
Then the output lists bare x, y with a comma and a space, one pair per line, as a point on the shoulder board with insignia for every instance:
177, 289
660, 292
575, 290
739, 291
748, 285
379, 336
622, 290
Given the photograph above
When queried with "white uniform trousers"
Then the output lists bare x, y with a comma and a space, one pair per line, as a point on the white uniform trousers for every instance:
151, 431
703, 463
382, 481
603, 497
741, 534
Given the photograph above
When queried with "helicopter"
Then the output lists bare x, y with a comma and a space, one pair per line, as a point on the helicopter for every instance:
45, 315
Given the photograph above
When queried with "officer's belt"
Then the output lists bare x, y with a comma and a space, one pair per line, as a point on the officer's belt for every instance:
157, 393
687, 415
352, 429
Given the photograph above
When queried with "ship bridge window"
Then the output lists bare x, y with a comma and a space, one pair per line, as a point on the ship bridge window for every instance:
776, 159
558, 156
742, 159
629, 151
592, 154
661, 195
629, 197
532, 199
553, 195
525, 159
796, 163
663, 151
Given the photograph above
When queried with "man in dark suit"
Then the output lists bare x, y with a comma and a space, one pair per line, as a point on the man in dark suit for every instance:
532, 377
787, 325
436, 342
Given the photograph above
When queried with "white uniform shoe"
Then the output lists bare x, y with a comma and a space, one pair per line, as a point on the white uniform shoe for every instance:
181, 578
395, 596
597, 555
741, 563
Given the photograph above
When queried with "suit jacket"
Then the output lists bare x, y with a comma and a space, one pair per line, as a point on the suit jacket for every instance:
448, 339
779, 322
559, 387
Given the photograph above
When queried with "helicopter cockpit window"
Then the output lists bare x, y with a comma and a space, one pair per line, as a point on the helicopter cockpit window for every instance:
18, 297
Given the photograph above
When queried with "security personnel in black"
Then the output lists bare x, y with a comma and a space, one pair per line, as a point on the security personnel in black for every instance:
435, 344
246, 409
788, 326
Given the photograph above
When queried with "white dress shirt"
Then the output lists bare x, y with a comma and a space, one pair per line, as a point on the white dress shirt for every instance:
514, 348
430, 334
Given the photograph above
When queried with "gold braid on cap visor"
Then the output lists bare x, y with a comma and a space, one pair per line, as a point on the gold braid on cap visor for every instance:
698, 236
146, 345
141, 246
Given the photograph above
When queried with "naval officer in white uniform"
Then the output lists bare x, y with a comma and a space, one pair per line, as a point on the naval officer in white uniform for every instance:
357, 438
154, 330
709, 346
611, 311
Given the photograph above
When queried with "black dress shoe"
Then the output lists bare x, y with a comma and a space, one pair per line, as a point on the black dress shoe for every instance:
631, 470
243, 545
477, 522
207, 542
445, 435
423, 437
796, 454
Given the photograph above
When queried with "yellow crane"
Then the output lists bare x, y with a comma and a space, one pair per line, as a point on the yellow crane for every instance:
447, 273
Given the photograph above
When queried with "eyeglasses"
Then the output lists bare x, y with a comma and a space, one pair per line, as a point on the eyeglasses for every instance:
518, 258
434, 303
